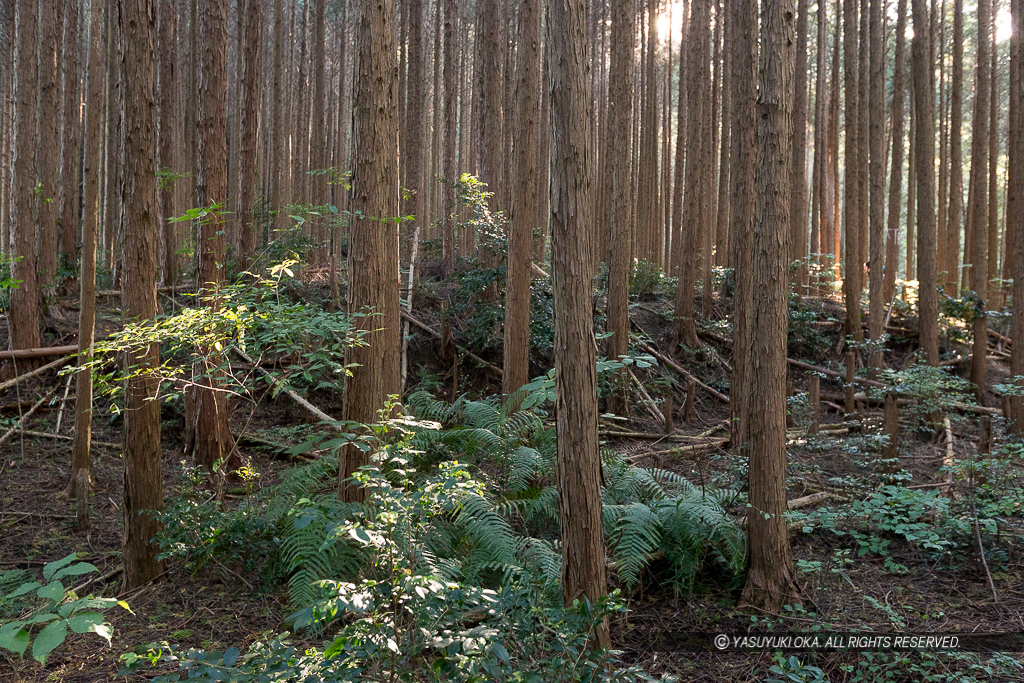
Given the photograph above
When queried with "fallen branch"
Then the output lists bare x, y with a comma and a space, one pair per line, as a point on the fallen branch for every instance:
38, 371
24, 418
678, 368
493, 368
647, 400
692, 449
61, 437
43, 352
274, 381
616, 434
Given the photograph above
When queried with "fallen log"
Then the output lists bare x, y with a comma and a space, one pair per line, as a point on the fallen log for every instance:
43, 352
675, 366
38, 371
24, 418
493, 368
275, 382
691, 449
649, 436
62, 437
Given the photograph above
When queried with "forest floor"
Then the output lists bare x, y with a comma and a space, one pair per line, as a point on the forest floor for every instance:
900, 584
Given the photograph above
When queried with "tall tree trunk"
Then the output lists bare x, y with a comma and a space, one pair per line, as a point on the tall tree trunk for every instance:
415, 128
695, 218
81, 462
911, 267
618, 187
741, 180
647, 211
1015, 205
24, 315
524, 201
143, 483
955, 221
544, 164
854, 151
924, 97
451, 132
798, 188
6, 123
168, 152
876, 206
279, 131
373, 249
722, 251
899, 86
832, 179
770, 577
251, 89
207, 409
979, 230
318, 131
301, 119
49, 145
70, 153
818, 200
579, 461
993, 170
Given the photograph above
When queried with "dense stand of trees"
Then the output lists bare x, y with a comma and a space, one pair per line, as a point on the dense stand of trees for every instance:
688, 134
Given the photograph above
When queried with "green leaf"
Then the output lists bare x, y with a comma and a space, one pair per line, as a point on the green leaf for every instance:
53, 591
230, 656
499, 651
87, 622
52, 567
13, 637
48, 639
76, 570
24, 588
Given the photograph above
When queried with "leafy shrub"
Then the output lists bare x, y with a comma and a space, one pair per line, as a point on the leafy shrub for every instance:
59, 610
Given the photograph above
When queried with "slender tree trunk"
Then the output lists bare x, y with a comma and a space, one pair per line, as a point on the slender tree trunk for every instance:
993, 170
544, 164
524, 201
70, 153
854, 151
24, 316
911, 268
924, 96
414, 128
373, 249
49, 145
318, 131
207, 409
618, 188
143, 483
892, 247
798, 188
647, 211
770, 577
579, 463
168, 152
251, 88
81, 462
695, 217
832, 180
722, 250
818, 200
741, 179
279, 130
876, 170
955, 221
1015, 207
979, 231
451, 132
